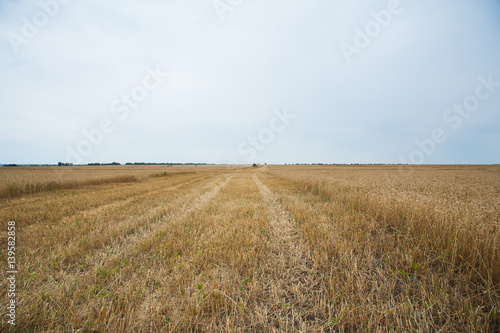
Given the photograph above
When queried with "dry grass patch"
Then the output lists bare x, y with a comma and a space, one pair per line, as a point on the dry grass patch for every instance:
397, 263
274, 249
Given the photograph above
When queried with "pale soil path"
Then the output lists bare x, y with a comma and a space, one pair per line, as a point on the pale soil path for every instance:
296, 282
288, 245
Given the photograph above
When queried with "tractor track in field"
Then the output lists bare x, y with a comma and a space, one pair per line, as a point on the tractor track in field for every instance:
127, 228
286, 235
42, 230
109, 247
99, 259
152, 217
193, 198
202, 201
143, 231
290, 263
94, 212
118, 203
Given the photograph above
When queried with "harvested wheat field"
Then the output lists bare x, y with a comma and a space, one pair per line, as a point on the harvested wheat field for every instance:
268, 249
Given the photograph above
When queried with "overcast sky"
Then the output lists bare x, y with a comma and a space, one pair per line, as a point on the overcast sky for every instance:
280, 81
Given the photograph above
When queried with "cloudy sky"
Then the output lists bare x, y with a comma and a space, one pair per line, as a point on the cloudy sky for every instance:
280, 81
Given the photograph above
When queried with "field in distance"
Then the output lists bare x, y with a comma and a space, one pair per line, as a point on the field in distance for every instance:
240, 249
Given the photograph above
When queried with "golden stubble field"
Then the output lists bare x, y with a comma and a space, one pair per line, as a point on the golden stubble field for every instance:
268, 249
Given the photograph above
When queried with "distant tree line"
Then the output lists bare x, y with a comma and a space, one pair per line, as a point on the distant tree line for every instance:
112, 163
342, 164
128, 163
167, 164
